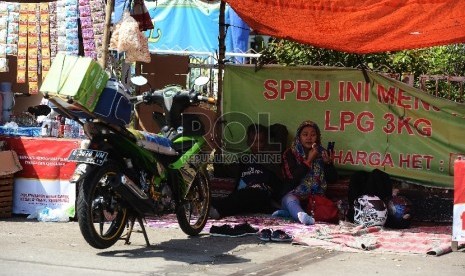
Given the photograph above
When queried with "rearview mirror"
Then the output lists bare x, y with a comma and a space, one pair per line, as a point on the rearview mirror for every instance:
201, 80
139, 80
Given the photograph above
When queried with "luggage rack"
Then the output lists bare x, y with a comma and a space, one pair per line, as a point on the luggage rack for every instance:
69, 108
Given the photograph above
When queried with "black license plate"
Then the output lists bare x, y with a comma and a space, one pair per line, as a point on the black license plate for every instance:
88, 156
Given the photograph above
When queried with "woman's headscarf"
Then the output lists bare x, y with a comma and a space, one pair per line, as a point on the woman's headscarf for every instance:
314, 181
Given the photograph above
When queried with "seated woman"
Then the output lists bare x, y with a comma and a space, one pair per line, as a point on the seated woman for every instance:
258, 184
306, 167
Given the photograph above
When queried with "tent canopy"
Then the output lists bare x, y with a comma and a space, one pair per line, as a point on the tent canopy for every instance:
358, 26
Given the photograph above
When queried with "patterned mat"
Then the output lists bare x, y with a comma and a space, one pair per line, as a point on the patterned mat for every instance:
431, 240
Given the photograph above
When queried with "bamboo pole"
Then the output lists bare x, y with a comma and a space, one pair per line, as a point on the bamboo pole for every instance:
106, 34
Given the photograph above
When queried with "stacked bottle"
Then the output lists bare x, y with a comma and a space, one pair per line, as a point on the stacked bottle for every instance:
45, 130
68, 129
75, 129
61, 127
55, 128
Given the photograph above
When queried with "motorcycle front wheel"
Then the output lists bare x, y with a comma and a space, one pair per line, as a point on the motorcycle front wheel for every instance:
192, 212
101, 216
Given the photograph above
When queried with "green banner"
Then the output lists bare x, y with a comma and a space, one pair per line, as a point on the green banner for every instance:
382, 124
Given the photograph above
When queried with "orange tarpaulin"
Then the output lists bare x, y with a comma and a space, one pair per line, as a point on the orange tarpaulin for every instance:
358, 26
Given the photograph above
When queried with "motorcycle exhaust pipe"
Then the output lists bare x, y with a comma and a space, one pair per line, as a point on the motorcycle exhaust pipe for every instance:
126, 181
133, 195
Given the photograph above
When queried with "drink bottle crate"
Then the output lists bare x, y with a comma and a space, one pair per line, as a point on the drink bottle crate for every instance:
6, 195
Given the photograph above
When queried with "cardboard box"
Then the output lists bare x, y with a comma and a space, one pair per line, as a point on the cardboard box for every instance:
10, 163
81, 79
58, 74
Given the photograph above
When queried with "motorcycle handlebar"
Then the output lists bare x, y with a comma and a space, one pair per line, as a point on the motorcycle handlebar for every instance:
148, 98
209, 100
136, 99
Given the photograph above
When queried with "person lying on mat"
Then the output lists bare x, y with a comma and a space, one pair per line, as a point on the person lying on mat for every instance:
258, 184
306, 167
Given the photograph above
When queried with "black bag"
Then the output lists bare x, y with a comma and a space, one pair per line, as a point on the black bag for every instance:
331, 173
379, 184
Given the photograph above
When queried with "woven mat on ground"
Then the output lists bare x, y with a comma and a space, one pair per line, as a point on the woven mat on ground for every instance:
431, 240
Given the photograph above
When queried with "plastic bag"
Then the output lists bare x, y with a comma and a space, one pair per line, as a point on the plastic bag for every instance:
128, 38
140, 13
141, 54
4, 65
46, 214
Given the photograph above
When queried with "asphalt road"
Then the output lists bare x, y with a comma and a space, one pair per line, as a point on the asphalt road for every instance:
29, 247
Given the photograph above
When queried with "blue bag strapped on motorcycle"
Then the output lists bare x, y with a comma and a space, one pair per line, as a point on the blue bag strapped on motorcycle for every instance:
113, 105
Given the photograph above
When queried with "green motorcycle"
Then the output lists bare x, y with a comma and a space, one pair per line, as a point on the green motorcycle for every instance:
124, 175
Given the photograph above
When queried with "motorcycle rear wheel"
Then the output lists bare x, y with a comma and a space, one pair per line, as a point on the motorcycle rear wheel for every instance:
101, 216
192, 213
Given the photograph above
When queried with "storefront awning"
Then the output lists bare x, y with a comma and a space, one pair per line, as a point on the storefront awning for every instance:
362, 26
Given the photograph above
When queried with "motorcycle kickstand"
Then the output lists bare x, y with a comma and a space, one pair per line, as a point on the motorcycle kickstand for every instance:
131, 227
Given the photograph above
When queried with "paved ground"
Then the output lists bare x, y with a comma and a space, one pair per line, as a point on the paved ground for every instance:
28, 247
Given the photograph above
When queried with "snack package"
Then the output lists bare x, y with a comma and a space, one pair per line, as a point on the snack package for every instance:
4, 65
141, 54
129, 38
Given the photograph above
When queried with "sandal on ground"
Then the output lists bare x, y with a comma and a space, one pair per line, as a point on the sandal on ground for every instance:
280, 236
265, 234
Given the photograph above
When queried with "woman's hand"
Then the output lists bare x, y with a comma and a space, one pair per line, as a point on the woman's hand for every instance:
312, 154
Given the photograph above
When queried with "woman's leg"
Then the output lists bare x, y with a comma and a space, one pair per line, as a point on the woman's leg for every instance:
292, 204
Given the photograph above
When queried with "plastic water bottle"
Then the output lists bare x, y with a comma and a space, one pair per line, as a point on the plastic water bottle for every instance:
75, 129
82, 134
54, 128
61, 132
45, 130
67, 131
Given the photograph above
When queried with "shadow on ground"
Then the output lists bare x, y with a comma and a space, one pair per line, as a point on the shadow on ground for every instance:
203, 249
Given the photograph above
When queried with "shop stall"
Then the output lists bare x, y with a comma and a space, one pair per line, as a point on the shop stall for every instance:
32, 34
43, 180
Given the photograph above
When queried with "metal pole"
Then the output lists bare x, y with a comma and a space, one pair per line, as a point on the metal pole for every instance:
106, 34
221, 57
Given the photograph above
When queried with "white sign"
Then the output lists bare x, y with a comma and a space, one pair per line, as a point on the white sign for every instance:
458, 228
32, 194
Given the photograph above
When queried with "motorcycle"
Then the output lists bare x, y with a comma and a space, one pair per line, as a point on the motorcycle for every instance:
124, 175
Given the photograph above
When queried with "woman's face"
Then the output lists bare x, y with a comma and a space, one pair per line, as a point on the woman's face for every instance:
308, 136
